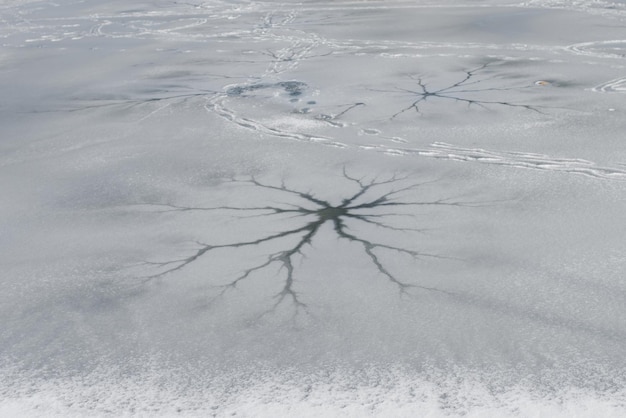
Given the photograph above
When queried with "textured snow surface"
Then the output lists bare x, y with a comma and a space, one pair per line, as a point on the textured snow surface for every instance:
369, 392
314, 208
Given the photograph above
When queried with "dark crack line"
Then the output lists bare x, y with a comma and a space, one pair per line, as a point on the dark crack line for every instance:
355, 208
131, 103
355, 105
456, 90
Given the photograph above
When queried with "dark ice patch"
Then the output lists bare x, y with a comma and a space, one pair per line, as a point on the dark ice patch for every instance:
291, 88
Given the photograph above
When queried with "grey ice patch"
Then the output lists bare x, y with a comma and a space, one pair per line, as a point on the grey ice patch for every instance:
291, 89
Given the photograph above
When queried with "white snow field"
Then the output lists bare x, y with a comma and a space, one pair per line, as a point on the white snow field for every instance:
315, 208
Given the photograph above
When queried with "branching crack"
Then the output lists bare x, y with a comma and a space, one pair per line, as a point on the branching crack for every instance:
362, 207
459, 91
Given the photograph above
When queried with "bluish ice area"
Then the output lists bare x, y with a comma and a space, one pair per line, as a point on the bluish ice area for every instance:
314, 208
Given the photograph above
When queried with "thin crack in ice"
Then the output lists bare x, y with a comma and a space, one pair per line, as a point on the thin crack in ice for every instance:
460, 91
363, 207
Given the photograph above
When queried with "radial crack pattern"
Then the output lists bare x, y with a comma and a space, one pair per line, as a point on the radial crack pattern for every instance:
461, 91
373, 204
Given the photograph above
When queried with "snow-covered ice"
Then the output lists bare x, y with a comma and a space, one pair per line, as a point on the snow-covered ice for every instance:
313, 208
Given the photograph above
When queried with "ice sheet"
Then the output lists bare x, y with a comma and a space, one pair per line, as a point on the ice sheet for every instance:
343, 208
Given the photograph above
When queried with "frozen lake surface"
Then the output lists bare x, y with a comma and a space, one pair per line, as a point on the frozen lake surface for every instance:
315, 208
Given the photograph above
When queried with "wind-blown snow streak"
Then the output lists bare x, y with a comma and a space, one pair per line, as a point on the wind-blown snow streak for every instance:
602, 49
596, 7
442, 150
618, 85
216, 104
